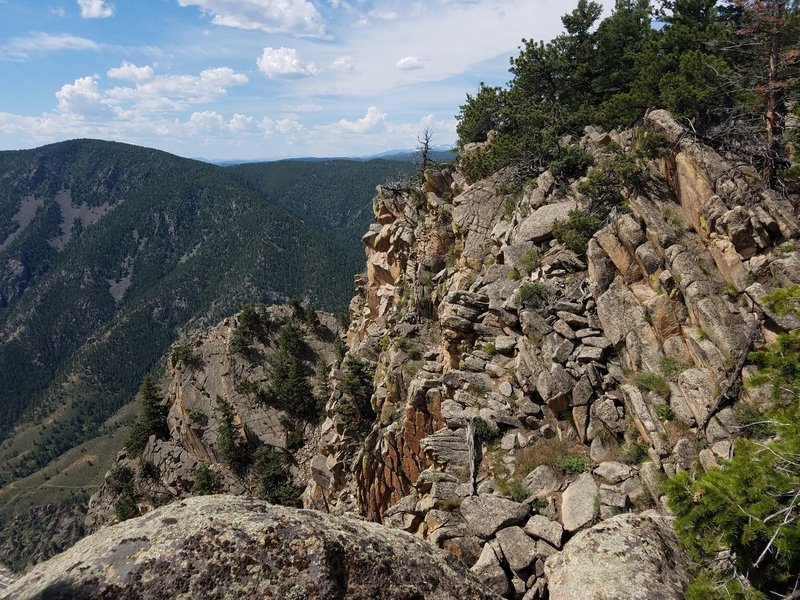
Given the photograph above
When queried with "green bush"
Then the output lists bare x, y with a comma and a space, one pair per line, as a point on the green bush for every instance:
356, 385
753, 422
647, 380
206, 482
575, 465
152, 419
533, 295
272, 476
576, 231
634, 452
530, 261
484, 433
571, 163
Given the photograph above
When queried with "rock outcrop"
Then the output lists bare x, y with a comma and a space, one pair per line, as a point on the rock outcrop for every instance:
509, 400
628, 556
560, 389
232, 547
234, 366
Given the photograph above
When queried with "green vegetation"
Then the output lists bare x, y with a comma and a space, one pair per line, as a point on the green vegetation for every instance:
273, 479
121, 482
484, 433
533, 295
152, 418
575, 232
356, 386
187, 241
575, 465
647, 380
726, 68
634, 452
288, 387
232, 449
206, 482
530, 261
750, 505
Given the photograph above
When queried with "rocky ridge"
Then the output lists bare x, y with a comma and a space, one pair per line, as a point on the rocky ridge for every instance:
211, 369
525, 402
583, 381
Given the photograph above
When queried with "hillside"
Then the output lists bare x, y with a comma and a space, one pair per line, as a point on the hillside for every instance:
320, 192
109, 251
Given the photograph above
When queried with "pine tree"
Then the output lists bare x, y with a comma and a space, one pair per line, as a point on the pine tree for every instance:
152, 418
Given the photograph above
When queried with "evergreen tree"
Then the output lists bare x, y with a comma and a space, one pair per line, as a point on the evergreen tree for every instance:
230, 447
152, 418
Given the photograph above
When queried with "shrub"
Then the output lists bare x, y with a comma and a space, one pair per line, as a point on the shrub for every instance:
576, 231
530, 261
513, 488
356, 386
634, 452
670, 367
231, 448
575, 465
654, 382
273, 480
752, 421
533, 295
572, 163
206, 482
484, 433
152, 419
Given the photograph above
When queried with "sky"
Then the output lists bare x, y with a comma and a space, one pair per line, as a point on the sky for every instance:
255, 79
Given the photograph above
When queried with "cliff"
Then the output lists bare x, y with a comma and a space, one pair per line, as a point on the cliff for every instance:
518, 386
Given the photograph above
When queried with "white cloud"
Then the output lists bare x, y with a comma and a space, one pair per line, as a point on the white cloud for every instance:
82, 98
343, 63
130, 72
372, 121
409, 63
38, 43
175, 92
384, 15
58, 11
299, 17
96, 9
283, 62
285, 127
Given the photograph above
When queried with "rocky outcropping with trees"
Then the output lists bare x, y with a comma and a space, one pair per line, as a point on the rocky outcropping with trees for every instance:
572, 358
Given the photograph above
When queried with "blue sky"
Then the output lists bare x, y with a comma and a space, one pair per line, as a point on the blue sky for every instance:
245, 79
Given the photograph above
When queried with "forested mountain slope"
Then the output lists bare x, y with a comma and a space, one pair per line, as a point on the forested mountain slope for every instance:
108, 250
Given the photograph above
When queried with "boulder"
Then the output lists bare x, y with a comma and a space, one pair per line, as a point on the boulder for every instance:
543, 528
629, 556
485, 515
518, 548
580, 503
232, 547
490, 572
538, 227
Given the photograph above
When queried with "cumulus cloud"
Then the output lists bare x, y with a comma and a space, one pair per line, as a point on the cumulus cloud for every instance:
284, 62
81, 98
343, 63
176, 92
96, 9
374, 120
298, 17
409, 63
38, 43
285, 127
130, 72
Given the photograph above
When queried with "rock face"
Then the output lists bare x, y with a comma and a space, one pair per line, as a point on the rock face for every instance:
214, 370
231, 547
506, 399
635, 557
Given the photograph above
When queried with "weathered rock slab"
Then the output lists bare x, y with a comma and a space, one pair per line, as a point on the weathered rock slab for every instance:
232, 547
629, 556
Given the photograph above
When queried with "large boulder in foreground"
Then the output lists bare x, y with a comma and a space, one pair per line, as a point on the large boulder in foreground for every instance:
232, 547
629, 556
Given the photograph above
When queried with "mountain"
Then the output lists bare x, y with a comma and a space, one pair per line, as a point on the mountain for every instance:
109, 251
321, 192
